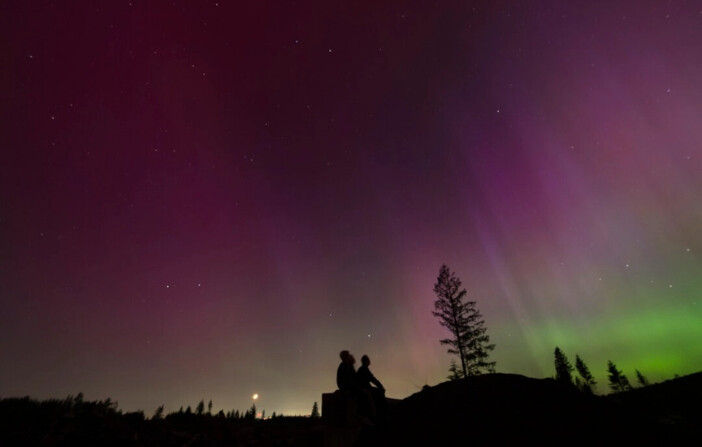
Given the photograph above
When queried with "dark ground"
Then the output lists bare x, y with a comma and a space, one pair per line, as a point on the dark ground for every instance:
506, 409
494, 409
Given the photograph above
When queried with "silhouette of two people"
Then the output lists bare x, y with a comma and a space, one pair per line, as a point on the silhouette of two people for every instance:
362, 384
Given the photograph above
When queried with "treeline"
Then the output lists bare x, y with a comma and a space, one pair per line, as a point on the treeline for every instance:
75, 421
249, 415
584, 381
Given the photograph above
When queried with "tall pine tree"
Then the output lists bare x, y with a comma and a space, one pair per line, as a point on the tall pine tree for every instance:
617, 379
469, 339
563, 368
588, 382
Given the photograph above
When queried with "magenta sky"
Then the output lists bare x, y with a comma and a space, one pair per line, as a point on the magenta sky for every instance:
211, 199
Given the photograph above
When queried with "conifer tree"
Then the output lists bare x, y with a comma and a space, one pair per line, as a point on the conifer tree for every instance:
563, 367
209, 407
588, 382
617, 379
315, 411
251, 414
200, 408
158, 414
643, 381
455, 373
469, 339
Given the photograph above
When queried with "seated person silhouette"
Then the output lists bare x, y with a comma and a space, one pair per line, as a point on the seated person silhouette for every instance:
345, 374
375, 405
365, 378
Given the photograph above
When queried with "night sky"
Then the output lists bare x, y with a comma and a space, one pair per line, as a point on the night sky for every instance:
212, 199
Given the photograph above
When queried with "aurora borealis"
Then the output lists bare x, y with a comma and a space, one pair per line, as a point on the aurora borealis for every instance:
212, 199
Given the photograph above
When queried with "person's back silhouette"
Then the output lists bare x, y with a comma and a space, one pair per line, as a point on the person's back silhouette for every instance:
345, 373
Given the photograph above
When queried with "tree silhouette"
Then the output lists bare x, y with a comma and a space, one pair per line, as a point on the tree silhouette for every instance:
209, 407
455, 373
588, 382
200, 407
563, 367
251, 414
617, 379
469, 339
158, 414
315, 411
643, 381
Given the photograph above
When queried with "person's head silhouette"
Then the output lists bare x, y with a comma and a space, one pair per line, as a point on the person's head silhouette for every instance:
365, 360
344, 355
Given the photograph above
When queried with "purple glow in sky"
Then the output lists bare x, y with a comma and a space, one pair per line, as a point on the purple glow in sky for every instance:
212, 199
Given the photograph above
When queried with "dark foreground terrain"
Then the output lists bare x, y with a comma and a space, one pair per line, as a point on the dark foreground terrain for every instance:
505, 409
494, 409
